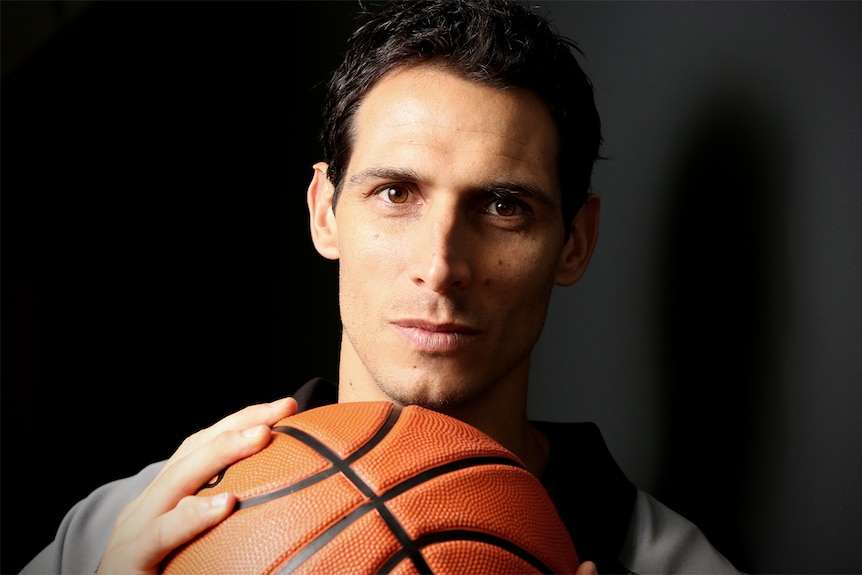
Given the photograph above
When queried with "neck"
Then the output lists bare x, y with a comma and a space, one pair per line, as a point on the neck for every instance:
499, 412
513, 431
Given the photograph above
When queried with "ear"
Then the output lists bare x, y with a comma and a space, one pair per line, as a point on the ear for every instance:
324, 230
578, 249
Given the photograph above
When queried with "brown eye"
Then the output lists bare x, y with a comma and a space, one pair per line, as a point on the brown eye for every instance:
504, 206
395, 195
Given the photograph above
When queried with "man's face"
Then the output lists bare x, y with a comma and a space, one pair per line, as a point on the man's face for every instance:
450, 238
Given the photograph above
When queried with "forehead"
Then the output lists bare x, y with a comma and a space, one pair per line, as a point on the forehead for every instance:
430, 120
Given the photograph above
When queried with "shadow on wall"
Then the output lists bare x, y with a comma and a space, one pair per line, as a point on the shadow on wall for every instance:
723, 283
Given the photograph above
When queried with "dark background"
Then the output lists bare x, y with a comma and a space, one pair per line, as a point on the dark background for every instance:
157, 267
157, 271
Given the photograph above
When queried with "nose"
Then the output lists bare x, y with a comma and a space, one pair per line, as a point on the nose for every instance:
441, 254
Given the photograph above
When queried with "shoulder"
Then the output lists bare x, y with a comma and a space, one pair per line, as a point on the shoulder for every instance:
315, 393
592, 494
84, 532
660, 540
612, 522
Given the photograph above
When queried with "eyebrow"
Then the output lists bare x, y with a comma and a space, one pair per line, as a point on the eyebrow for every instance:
502, 188
496, 187
384, 173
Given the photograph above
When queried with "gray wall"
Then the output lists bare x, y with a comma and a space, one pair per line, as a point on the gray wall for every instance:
717, 336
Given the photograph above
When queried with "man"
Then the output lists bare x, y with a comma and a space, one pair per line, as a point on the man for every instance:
459, 141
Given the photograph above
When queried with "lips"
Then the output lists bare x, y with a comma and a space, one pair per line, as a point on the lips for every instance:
435, 338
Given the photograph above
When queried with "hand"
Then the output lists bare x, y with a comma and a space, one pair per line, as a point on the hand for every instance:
587, 568
168, 513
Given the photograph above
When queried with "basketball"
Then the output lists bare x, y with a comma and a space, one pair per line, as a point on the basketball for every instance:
373, 488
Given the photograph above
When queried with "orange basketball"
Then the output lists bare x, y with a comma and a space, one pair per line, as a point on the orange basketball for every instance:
373, 488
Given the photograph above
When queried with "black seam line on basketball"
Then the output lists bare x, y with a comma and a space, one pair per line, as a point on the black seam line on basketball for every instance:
408, 545
378, 503
216, 480
324, 538
445, 468
467, 535
338, 464
292, 488
401, 535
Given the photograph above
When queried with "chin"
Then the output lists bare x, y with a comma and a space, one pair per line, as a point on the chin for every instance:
435, 397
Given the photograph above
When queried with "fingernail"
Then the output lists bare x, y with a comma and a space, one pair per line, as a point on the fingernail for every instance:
218, 500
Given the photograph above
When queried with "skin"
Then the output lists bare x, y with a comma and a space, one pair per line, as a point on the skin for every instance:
167, 513
444, 286
450, 238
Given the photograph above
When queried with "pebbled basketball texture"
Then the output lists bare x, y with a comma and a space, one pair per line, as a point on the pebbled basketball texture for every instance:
368, 487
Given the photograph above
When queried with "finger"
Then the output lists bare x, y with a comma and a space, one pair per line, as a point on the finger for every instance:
587, 568
164, 515
160, 496
192, 516
145, 552
188, 474
260, 414
185, 475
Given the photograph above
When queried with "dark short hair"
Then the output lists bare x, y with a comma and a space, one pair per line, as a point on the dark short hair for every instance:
501, 43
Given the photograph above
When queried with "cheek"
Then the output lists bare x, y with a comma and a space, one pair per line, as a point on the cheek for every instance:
367, 257
526, 271
523, 287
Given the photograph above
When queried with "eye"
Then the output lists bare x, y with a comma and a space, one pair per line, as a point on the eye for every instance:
505, 206
394, 194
